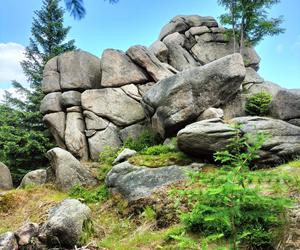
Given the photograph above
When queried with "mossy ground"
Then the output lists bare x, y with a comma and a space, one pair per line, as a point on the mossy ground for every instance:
112, 229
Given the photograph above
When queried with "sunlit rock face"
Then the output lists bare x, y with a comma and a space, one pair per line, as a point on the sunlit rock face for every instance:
91, 102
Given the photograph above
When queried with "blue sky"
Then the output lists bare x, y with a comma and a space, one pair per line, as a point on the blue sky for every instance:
133, 22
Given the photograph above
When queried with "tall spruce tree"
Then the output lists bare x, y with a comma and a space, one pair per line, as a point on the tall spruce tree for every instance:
24, 138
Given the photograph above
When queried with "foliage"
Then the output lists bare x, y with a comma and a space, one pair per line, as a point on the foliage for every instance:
249, 20
146, 139
24, 137
89, 195
258, 104
228, 203
87, 231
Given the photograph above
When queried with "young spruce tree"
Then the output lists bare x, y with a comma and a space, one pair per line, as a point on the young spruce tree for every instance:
24, 139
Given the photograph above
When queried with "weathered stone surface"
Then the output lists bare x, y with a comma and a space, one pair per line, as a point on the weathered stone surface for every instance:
251, 58
50, 82
252, 77
25, 234
94, 122
211, 113
160, 50
65, 224
77, 109
103, 139
35, 177
283, 141
197, 31
204, 138
143, 88
178, 56
286, 104
115, 105
8, 241
147, 60
56, 122
71, 98
67, 170
51, 103
5, 177
177, 100
132, 91
74, 135
119, 70
295, 122
79, 70
139, 182
134, 131
124, 155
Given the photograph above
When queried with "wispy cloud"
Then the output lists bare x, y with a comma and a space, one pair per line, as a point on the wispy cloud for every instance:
11, 54
14, 92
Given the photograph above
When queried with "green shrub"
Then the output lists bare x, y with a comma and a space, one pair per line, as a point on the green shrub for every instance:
158, 150
89, 195
228, 205
258, 104
146, 139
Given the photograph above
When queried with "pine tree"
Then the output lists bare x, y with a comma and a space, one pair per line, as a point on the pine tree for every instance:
24, 137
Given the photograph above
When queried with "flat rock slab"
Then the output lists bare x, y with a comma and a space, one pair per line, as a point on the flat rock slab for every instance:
134, 182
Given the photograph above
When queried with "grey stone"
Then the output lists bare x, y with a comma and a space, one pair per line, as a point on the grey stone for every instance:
197, 31
26, 233
132, 91
5, 177
94, 122
143, 88
103, 139
50, 82
119, 70
211, 113
251, 58
77, 109
79, 70
133, 131
124, 155
283, 139
74, 135
8, 241
295, 122
71, 98
178, 56
68, 171
252, 77
204, 138
65, 223
179, 99
35, 177
114, 105
51, 103
160, 50
56, 122
286, 104
147, 60
138, 182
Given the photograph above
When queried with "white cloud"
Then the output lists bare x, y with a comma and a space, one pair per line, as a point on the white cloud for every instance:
15, 93
11, 54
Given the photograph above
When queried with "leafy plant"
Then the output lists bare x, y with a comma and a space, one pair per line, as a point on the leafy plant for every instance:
87, 231
229, 204
258, 104
145, 140
89, 195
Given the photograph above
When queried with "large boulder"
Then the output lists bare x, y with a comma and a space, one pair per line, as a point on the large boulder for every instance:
56, 122
74, 135
94, 122
26, 233
51, 103
118, 70
160, 50
147, 60
51, 82
204, 138
134, 182
65, 224
5, 177
35, 177
67, 170
71, 98
177, 100
8, 241
79, 70
115, 106
283, 139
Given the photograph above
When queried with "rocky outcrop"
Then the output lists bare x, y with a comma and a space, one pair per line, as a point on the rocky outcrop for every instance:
35, 177
68, 171
135, 182
8, 241
180, 99
26, 233
65, 223
5, 177
124, 155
